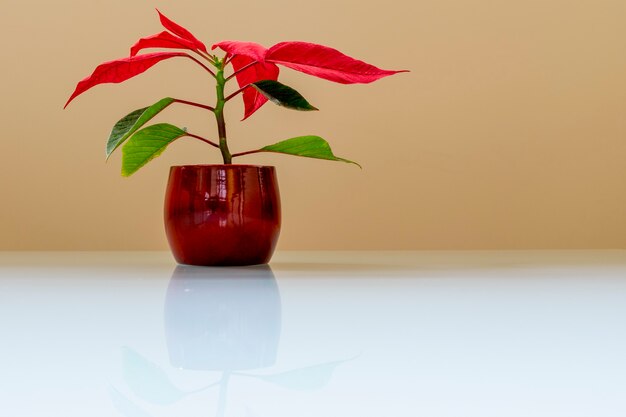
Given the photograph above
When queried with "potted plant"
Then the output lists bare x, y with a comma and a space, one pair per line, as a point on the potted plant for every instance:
223, 214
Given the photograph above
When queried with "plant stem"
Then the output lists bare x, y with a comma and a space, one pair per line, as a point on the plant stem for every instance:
237, 92
202, 65
219, 113
191, 135
221, 401
191, 103
247, 153
205, 56
245, 67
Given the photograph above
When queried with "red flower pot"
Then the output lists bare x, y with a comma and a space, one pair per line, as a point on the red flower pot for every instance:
222, 214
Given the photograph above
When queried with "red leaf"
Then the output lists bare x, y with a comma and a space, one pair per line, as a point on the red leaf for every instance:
121, 70
252, 98
180, 31
250, 49
161, 40
324, 62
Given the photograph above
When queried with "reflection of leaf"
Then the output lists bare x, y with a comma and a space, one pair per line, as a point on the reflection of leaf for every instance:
126, 406
308, 378
147, 380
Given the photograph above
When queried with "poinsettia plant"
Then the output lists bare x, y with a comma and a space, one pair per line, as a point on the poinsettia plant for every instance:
256, 70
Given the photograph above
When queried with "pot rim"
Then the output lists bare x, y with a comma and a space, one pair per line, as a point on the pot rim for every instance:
222, 166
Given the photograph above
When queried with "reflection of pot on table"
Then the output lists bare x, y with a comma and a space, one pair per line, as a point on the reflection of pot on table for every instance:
222, 318
216, 319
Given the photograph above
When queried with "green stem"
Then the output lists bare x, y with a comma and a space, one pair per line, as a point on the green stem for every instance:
219, 113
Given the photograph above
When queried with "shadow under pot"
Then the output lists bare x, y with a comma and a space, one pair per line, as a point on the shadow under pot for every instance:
219, 215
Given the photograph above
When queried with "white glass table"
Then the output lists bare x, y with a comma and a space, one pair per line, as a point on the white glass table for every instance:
315, 334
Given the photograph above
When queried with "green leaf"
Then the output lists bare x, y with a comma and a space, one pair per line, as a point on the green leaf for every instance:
147, 144
282, 95
308, 146
129, 124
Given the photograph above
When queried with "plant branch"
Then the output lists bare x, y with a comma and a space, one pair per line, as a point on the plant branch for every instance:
221, 400
191, 135
247, 152
202, 65
191, 103
206, 387
205, 56
245, 67
237, 92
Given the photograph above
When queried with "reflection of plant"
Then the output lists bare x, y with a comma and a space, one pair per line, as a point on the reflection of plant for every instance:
307, 378
151, 384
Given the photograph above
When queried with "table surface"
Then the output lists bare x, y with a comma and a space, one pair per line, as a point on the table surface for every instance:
343, 334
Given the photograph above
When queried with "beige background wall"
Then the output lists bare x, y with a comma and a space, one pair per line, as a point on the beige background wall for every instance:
509, 132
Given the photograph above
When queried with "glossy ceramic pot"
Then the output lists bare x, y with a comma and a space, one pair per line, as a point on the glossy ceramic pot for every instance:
218, 215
